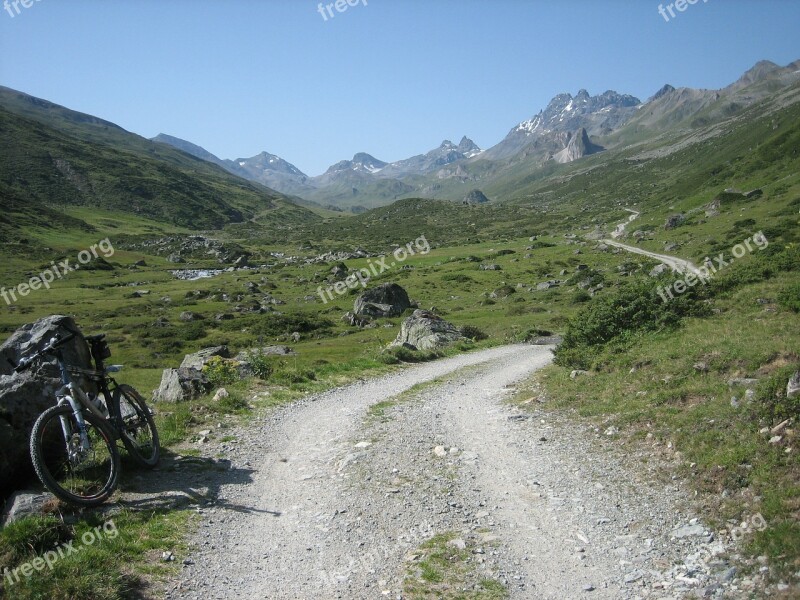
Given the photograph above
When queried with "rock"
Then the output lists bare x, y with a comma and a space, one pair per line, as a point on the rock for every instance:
701, 367
793, 387
426, 331
221, 393
175, 258
440, 451
502, 292
181, 384
23, 504
713, 208
24, 396
674, 221
363, 445
241, 261
476, 197
189, 316
779, 428
140, 263
199, 359
688, 531
457, 543
490, 267
577, 373
265, 351
354, 320
659, 270
224, 317
633, 576
339, 271
386, 300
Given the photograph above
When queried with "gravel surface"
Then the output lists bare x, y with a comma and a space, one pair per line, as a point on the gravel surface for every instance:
328, 499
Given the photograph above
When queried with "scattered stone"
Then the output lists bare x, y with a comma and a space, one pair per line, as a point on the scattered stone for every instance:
440, 451
633, 576
688, 531
577, 373
221, 393
458, 544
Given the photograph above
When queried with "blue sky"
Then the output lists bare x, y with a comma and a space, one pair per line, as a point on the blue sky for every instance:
392, 77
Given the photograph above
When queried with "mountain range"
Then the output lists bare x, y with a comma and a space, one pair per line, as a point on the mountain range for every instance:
569, 128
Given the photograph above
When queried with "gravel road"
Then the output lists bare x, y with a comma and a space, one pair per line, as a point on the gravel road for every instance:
340, 498
673, 262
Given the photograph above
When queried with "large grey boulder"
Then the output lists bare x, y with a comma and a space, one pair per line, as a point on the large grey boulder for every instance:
178, 385
24, 396
198, 360
426, 331
385, 300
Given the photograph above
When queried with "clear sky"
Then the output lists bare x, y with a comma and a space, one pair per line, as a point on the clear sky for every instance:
392, 77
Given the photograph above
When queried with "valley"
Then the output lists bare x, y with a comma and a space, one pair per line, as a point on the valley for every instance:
583, 436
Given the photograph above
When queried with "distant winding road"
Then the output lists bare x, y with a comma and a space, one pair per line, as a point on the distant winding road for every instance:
679, 265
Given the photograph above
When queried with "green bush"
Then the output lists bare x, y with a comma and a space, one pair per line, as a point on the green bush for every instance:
789, 297
473, 333
221, 371
629, 309
261, 364
231, 404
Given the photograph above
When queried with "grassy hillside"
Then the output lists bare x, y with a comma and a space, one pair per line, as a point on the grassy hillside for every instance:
56, 159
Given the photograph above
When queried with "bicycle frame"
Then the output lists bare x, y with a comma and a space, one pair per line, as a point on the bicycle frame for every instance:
70, 393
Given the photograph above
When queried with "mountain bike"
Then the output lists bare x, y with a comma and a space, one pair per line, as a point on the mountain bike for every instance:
73, 444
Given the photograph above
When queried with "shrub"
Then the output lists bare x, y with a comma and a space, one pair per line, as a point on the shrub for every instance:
789, 297
473, 333
221, 371
232, 403
260, 363
631, 308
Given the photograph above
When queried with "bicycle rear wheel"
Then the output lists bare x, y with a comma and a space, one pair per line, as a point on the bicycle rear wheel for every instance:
139, 433
86, 477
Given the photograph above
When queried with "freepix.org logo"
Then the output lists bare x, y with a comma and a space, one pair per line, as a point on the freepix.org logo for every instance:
12, 7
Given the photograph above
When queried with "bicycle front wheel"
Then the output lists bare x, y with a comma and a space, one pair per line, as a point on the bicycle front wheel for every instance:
139, 433
86, 476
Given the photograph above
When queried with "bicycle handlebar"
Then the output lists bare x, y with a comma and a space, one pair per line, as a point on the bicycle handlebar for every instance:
26, 362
